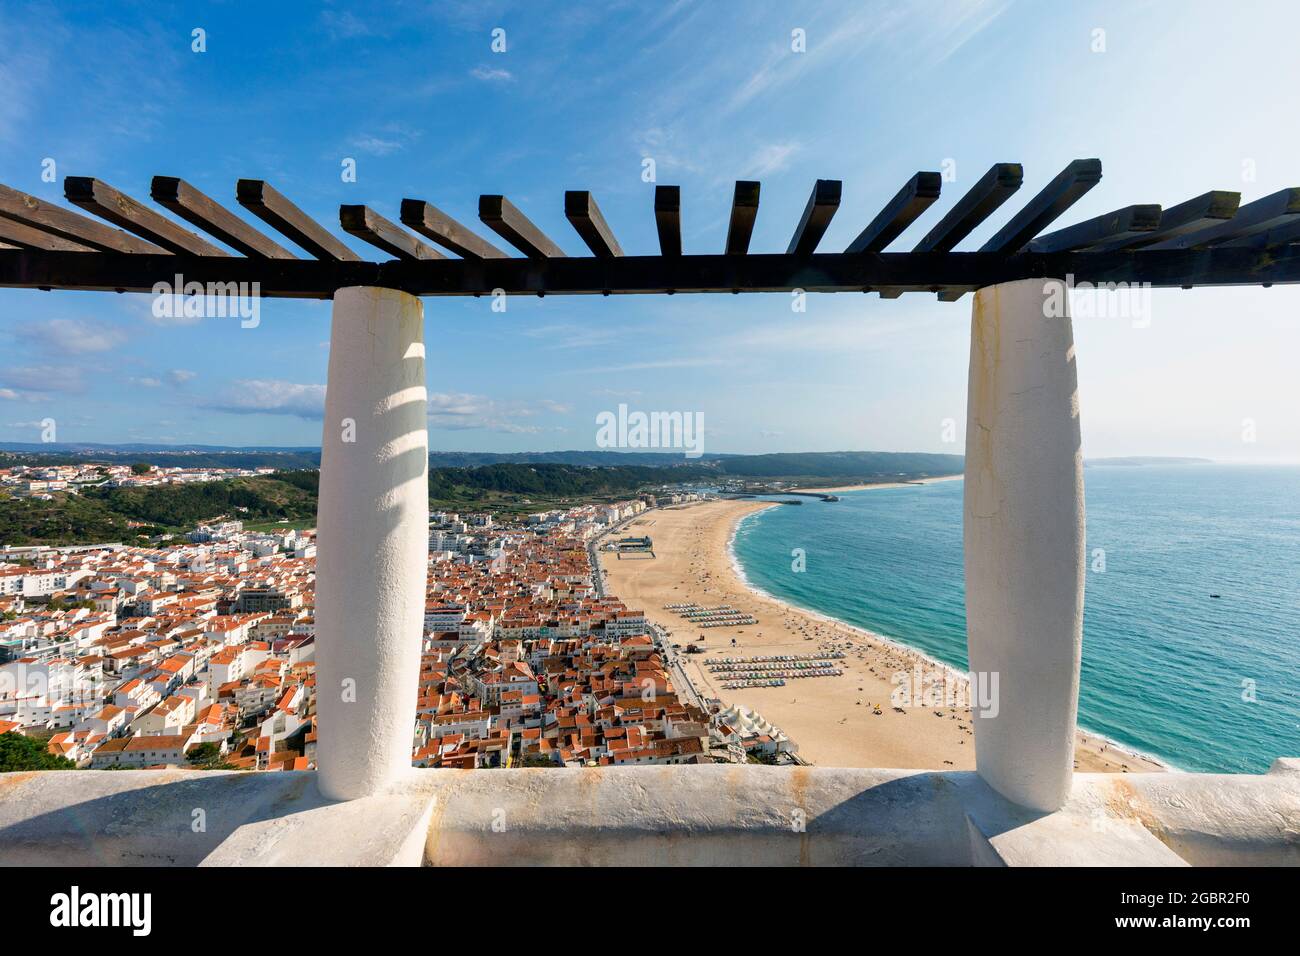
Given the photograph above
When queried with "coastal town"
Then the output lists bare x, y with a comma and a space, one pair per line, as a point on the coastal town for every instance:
43, 481
199, 651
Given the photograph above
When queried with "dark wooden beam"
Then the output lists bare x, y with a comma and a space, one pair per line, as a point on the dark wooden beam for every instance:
69, 225
581, 210
668, 219
364, 223
1067, 188
17, 235
216, 220
981, 201
1111, 227
916, 196
1281, 236
1193, 215
820, 272
431, 222
744, 209
121, 210
514, 227
264, 202
1272, 212
823, 202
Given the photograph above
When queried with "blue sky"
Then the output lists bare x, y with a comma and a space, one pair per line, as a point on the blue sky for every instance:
1184, 97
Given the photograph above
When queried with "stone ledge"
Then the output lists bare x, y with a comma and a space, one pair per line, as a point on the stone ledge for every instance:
687, 815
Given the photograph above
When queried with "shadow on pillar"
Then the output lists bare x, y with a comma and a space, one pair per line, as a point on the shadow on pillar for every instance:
372, 546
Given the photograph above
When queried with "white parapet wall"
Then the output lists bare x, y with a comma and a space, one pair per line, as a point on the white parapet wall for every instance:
373, 521
1024, 539
715, 815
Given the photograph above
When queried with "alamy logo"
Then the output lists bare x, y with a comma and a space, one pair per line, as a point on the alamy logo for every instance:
216, 300
626, 429
1099, 300
74, 909
940, 688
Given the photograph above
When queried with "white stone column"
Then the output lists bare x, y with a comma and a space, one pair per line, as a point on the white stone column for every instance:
373, 542
1024, 538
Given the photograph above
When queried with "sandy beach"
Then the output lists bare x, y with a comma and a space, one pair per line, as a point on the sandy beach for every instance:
845, 721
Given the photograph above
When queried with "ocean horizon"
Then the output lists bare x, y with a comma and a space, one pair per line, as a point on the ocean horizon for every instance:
1192, 597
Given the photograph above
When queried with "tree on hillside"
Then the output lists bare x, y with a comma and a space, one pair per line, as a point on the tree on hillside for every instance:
24, 753
141, 468
208, 756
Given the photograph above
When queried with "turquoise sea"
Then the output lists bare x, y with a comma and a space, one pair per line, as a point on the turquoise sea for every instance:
1168, 670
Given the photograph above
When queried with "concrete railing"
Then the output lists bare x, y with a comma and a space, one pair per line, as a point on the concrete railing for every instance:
673, 815
1024, 592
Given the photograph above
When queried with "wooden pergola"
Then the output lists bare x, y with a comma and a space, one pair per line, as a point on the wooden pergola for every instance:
1210, 240
1023, 511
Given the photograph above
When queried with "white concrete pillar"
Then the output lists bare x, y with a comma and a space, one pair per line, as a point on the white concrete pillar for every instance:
1024, 538
373, 542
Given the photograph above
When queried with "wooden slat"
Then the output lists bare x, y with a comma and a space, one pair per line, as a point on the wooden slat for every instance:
744, 209
17, 235
501, 216
430, 221
69, 225
823, 202
668, 219
581, 210
1067, 188
1208, 209
914, 198
264, 202
981, 201
121, 210
1272, 239
364, 223
1272, 212
216, 220
1113, 226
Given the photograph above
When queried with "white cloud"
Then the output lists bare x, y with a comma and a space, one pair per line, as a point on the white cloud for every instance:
346, 25
770, 158
71, 336
491, 74
458, 411
179, 376
375, 146
262, 396
29, 381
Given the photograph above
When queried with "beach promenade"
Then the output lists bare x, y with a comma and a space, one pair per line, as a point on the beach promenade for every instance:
844, 721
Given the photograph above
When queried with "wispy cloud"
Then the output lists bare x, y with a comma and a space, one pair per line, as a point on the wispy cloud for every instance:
346, 25
261, 396
490, 74
71, 336
458, 411
374, 145
661, 364
573, 335
770, 158
39, 381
